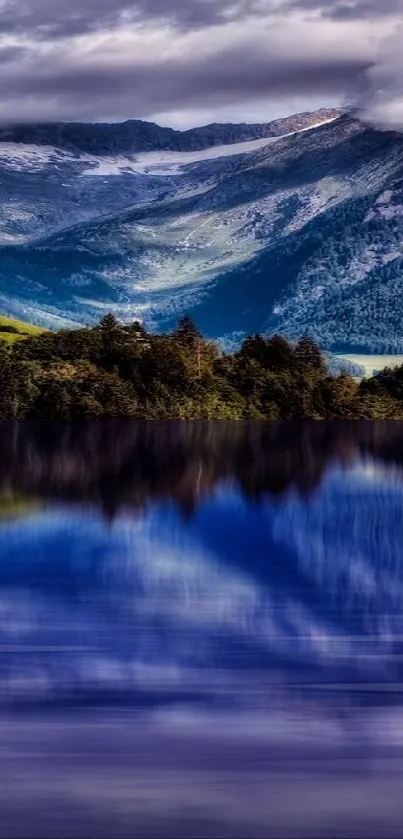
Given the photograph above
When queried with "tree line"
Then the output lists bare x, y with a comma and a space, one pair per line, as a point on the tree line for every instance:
115, 370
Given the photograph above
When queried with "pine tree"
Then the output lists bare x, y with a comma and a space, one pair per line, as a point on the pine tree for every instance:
189, 336
309, 356
187, 332
109, 324
279, 354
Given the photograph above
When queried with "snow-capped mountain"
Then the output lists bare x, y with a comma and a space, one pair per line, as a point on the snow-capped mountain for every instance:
139, 136
243, 227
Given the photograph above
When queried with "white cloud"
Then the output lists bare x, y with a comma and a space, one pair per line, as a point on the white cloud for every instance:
380, 93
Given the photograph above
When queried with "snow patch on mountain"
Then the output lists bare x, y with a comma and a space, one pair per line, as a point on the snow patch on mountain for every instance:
17, 156
164, 163
276, 233
34, 158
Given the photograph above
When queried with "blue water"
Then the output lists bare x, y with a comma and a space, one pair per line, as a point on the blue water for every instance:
201, 630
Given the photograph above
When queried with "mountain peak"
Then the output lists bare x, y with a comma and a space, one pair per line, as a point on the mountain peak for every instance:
135, 136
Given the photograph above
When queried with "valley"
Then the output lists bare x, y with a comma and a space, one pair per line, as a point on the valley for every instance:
290, 233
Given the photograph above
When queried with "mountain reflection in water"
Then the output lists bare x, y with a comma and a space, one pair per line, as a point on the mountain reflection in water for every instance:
201, 627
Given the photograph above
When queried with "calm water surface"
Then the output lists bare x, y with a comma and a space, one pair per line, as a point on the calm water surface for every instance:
201, 630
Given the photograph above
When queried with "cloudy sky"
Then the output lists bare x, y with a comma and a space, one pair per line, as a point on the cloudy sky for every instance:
185, 62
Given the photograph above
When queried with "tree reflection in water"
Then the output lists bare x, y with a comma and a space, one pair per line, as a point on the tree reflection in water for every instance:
201, 629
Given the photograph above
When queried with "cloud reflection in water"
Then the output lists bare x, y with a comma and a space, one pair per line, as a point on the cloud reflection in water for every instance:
227, 667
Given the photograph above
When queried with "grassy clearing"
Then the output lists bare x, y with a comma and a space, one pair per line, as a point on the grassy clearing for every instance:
373, 363
12, 330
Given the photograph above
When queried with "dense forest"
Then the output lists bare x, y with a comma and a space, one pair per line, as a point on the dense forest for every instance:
116, 370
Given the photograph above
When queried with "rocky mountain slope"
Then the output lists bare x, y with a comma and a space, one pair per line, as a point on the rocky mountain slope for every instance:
302, 232
138, 136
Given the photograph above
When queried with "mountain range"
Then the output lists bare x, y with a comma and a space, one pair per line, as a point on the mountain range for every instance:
139, 136
293, 226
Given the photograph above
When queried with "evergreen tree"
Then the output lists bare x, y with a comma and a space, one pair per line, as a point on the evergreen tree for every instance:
308, 355
279, 354
186, 332
108, 324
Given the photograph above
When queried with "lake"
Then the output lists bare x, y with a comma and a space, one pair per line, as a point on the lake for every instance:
201, 629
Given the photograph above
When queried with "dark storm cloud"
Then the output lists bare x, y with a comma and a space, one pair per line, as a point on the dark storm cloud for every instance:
350, 9
231, 76
61, 19
12, 53
214, 53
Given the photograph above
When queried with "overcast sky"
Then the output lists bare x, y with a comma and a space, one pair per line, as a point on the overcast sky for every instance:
186, 62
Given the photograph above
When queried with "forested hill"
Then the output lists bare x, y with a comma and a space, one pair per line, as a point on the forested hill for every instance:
120, 371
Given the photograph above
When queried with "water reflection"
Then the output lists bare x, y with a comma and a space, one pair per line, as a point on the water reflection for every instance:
199, 623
